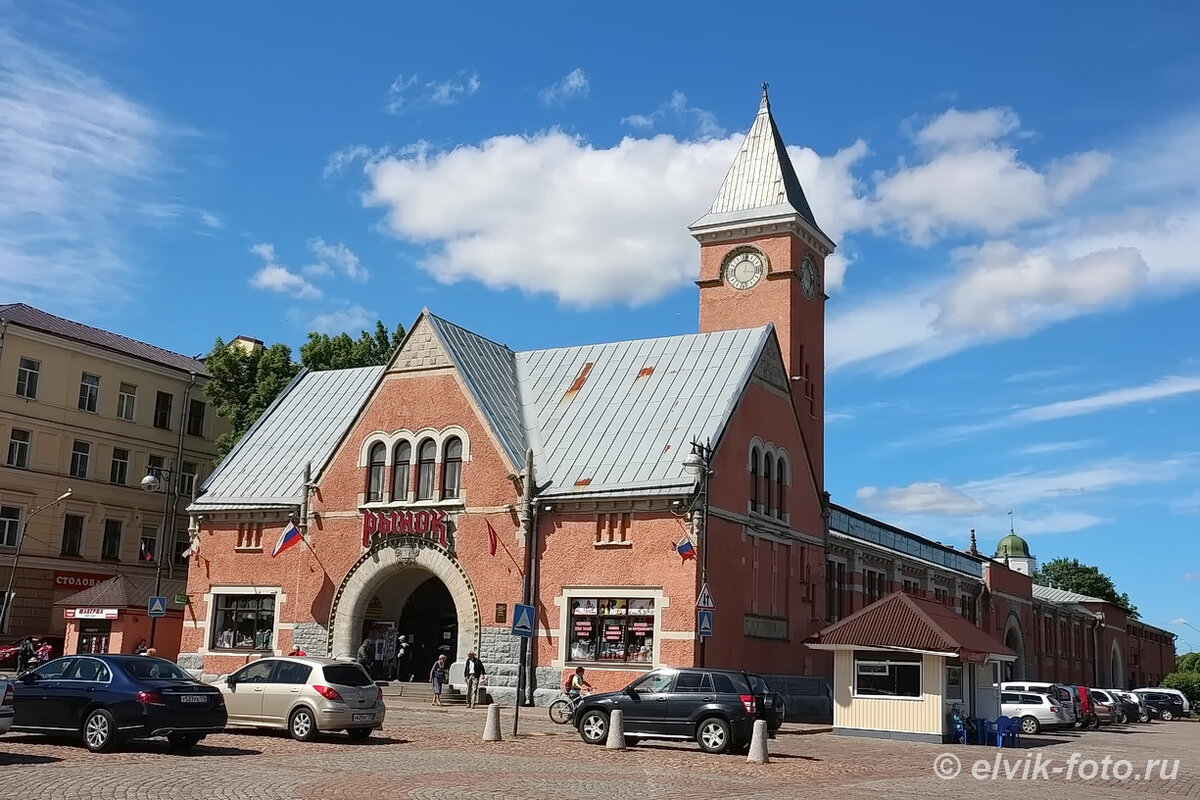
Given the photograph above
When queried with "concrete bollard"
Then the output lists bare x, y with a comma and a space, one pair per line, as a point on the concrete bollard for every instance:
616, 730
758, 744
491, 728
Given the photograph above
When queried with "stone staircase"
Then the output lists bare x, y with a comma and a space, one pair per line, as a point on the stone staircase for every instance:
420, 692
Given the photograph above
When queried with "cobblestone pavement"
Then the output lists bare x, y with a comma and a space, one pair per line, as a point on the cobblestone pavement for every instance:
437, 753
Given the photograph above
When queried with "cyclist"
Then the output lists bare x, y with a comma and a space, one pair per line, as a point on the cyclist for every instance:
576, 684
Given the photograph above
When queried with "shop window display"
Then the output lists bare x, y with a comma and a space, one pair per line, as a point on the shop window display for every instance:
608, 629
244, 622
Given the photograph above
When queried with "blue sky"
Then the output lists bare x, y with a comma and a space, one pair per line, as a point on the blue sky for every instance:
1012, 322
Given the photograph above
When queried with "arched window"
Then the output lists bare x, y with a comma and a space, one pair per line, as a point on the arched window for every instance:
768, 485
754, 479
782, 478
375, 472
452, 468
426, 458
401, 470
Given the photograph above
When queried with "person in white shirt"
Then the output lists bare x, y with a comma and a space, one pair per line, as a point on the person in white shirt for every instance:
473, 670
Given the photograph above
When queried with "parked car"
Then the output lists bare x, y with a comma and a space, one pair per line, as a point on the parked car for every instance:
1066, 699
10, 650
1162, 705
1035, 711
1089, 712
715, 707
1107, 709
1187, 706
1135, 705
109, 698
6, 706
1124, 709
304, 696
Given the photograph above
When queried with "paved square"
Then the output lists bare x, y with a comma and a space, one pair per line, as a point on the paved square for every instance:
427, 753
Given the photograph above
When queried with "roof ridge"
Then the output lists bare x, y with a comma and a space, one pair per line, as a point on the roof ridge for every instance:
477, 335
693, 334
97, 330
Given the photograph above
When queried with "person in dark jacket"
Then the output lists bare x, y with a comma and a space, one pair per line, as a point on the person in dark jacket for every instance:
473, 670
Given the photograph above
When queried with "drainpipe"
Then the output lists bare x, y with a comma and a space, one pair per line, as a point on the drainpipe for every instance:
1097, 641
183, 419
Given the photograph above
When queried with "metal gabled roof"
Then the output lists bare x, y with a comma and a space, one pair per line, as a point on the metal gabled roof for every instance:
304, 424
1049, 594
762, 182
624, 413
490, 373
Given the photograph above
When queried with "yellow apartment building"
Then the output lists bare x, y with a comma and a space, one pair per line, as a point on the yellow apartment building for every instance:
93, 412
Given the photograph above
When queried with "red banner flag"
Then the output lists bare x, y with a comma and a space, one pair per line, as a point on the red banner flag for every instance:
493, 539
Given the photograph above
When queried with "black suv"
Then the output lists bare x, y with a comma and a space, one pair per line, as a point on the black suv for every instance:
716, 707
1162, 705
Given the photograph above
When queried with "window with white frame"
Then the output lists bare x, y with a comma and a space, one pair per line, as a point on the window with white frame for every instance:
119, 472
110, 544
376, 469
874, 582
89, 392
754, 504
608, 629
81, 454
452, 454
10, 525
18, 448
426, 465
72, 538
187, 478
401, 470
887, 678
28, 372
243, 622
148, 543
781, 476
127, 402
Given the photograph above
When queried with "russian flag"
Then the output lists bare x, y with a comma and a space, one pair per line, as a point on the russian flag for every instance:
290, 536
685, 549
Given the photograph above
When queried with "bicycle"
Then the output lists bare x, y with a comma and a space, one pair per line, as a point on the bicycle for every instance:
563, 707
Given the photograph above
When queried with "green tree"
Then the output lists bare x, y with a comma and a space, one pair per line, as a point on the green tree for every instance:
244, 382
1188, 662
1186, 682
1070, 574
323, 351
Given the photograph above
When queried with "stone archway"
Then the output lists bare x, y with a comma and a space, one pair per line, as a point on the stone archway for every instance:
1116, 666
1014, 639
384, 560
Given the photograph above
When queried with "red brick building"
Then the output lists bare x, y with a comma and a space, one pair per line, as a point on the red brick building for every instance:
420, 508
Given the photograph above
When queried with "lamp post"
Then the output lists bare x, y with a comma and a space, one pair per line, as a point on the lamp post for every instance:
152, 483
698, 464
12, 574
1182, 621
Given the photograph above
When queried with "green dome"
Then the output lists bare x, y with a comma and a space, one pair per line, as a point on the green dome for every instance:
1012, 546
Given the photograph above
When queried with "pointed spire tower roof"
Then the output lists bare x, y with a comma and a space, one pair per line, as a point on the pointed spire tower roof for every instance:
761, 186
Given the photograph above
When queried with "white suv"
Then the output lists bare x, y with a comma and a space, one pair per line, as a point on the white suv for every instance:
1034, 712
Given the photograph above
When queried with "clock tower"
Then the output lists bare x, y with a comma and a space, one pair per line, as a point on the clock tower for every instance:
762, 259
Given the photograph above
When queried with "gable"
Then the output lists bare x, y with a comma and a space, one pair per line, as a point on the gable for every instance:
769, 369
421, 349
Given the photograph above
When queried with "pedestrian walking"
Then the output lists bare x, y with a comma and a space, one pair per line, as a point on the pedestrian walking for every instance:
437, 676
366, 652
473, 670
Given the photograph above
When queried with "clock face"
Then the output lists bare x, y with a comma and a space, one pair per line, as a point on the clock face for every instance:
810, 279
744, 269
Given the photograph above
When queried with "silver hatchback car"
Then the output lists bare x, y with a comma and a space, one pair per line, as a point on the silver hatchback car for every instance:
304, 696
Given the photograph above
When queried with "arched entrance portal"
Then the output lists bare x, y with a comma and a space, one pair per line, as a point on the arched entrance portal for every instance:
416, 584
1116, 668
1014, 639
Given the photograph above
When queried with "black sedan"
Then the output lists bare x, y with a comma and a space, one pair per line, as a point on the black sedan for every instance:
109, 698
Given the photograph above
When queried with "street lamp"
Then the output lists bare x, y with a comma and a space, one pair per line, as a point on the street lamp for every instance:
698, 464
8, 593
152, 483
1182, 621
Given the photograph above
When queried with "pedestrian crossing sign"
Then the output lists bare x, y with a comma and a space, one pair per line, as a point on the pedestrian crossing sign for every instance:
156, 607
522, 620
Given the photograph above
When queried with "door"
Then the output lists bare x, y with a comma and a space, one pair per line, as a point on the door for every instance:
37, 696
244, 694
693, 691
644, 705
79, 687
283, 690
93, 636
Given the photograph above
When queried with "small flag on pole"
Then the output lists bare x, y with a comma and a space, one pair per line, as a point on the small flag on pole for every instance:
493, 539
290, 536
686, 549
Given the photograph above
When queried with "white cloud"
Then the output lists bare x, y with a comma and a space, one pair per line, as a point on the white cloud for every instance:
1045, 448
335, 256
349, 318
1061, 522
1171, 386
922, 498
74, 153
1028, 487
344, 158
957, 128
678, 111
277, 278
413, 93
573, 84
